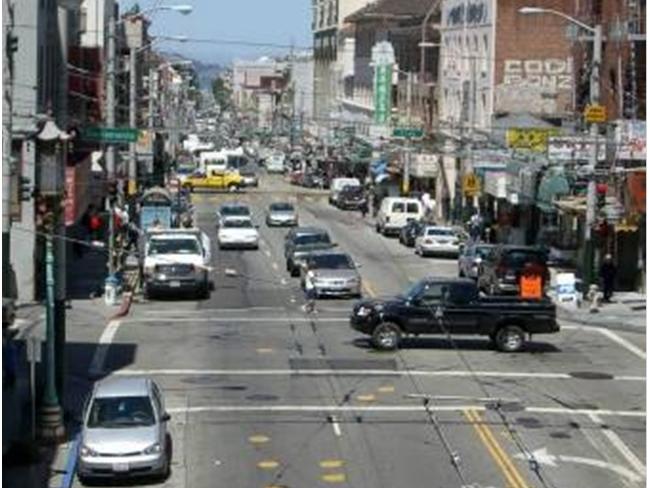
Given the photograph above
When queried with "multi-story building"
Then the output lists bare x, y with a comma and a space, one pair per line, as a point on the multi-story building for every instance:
333, 51
257, 87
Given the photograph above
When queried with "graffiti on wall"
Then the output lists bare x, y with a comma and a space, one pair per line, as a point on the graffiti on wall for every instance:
551, 73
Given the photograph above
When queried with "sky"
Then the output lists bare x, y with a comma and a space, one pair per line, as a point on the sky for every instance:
283, 22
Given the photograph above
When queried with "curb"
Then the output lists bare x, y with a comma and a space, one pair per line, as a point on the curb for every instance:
125, 307
71, 463
623, 327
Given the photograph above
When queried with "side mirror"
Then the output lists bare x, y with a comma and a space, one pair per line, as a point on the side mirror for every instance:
165, 417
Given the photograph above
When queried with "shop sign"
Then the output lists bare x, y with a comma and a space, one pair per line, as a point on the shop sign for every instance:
471, 185
144, 143
565, 288
595, 114
495, 184
425, 165
530, 139
575, 148
631, 139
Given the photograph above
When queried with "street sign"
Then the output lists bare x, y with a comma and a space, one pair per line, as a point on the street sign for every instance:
408, 132
110, 134
471, 185
595, 114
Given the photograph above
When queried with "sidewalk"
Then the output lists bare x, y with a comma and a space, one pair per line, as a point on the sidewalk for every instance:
27, 464
626, 311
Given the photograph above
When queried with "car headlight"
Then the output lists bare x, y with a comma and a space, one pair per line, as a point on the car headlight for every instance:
88, 452
153, 449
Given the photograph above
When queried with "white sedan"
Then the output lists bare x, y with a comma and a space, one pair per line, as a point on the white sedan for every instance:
437, 240
238, 233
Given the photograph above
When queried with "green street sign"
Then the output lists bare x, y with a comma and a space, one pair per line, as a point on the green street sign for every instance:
408, 132
382, 92
110, 134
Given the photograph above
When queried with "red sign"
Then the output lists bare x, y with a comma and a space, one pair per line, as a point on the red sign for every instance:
636, 185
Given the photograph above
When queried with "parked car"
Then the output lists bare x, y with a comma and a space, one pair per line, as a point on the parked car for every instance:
453, 306
330, 273
281, 214
351, 198
275, 163
409, 232
337, 184
436, 240
471, 257
232, 209
249, 177
238, 233
176, 260
300, 241
312, 180
395, 212
500, 272
124, 431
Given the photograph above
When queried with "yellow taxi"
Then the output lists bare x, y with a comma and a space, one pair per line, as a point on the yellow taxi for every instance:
214, 180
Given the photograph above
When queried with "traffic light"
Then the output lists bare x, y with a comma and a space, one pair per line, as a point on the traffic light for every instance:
26, 192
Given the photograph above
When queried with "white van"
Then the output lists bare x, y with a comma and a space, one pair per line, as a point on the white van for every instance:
337, 185
395, 212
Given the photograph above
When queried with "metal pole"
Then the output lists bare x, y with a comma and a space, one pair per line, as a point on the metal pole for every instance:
594, 95
133, 164
406, 183
6, 148
110, 87
51, 414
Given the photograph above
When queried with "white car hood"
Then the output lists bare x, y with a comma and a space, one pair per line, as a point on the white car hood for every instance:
173, 259
237, 233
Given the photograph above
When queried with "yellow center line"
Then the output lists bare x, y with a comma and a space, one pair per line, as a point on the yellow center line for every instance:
513, 477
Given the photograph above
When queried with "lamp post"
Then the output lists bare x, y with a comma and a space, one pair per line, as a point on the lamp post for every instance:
50, 139
594, 98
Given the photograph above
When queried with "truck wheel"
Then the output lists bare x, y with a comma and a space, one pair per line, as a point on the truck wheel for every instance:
233, 187
510, 338
295, 271
146, 292
386, 336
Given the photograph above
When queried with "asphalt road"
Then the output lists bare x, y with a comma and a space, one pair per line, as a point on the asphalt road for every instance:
263, 395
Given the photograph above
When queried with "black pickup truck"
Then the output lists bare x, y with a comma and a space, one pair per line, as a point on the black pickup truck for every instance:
453, 306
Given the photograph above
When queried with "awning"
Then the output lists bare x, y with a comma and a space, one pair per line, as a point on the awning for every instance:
552, 186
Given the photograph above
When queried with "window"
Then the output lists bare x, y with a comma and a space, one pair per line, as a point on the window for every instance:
398, 207
433, 294
116, 412
412, 207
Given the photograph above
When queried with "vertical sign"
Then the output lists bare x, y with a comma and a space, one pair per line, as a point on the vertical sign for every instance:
383, 81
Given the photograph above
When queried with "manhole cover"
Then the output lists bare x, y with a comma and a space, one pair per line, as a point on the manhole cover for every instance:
262, 397
560, 435
343, 364
591, 375
529, 422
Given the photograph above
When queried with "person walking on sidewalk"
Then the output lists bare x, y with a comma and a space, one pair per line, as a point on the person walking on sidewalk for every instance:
608, 276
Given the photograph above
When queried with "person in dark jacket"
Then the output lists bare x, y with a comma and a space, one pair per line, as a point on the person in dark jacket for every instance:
608, 276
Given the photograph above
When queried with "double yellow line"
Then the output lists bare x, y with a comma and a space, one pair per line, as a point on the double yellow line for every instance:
513, 478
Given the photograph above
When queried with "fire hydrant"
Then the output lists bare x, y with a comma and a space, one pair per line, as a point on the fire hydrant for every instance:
595, 297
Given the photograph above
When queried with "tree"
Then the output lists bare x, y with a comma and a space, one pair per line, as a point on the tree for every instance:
222, 94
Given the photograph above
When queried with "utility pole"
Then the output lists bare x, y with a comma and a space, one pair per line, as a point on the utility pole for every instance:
110, 122
406, 183
133, 163
594, 98
7, 81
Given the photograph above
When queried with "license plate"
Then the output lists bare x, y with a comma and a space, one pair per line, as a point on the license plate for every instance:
120, 467
174, 284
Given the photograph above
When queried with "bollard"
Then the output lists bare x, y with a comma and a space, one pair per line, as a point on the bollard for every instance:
594, 296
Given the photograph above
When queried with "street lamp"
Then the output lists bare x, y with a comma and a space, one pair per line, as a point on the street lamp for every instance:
594, 98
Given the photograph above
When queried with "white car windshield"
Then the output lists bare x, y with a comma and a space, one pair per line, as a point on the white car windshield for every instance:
116, 412
331, 261
281, 207
235, 211
440, 232
173, 246
237, 224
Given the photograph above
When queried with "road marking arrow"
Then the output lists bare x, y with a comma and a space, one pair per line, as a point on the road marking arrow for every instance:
542, 456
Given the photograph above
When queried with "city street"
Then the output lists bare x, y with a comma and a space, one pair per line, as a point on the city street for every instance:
262, 394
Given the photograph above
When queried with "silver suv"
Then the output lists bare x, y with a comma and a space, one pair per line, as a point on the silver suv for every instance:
124, 432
